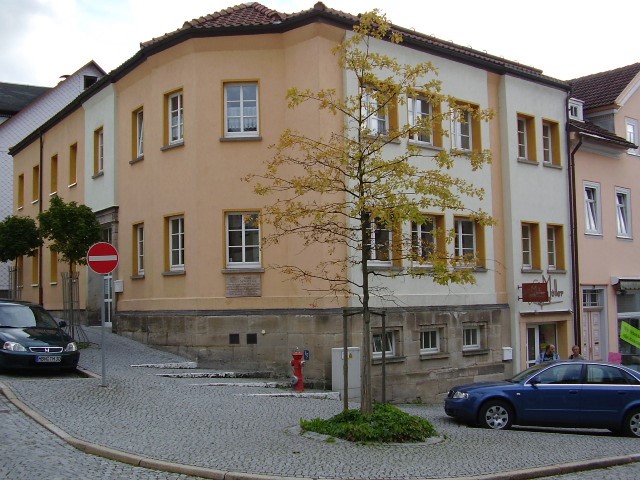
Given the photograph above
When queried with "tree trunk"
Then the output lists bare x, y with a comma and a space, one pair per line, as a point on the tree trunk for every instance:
366, 403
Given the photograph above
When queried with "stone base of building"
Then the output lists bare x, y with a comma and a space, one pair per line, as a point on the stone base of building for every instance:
264, 340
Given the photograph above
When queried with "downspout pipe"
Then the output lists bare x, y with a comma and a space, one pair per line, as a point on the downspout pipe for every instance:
575, 270
40, 202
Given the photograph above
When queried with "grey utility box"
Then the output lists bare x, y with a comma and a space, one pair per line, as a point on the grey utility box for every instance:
337, 373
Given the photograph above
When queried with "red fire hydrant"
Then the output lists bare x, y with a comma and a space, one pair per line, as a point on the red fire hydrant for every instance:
297, 381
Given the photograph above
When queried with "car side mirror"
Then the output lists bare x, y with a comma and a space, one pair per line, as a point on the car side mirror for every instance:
62, 324
534, 381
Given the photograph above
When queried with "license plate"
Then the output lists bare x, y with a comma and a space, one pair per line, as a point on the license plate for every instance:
48, 359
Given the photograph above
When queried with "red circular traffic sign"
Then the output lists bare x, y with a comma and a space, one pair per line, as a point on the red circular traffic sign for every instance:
102, 258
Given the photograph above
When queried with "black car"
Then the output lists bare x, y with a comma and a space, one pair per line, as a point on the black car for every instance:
555, 394
30, 338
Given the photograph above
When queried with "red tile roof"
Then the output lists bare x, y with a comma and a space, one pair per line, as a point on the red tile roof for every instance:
254, 14
602, 89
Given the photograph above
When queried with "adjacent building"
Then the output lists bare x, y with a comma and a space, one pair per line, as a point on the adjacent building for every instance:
604, 114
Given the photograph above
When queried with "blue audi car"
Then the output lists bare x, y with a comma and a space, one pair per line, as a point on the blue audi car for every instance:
579, 394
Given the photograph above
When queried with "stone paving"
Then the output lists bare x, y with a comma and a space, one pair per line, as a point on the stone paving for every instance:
228, 429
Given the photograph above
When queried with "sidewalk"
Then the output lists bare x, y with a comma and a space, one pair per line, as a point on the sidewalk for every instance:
232, 431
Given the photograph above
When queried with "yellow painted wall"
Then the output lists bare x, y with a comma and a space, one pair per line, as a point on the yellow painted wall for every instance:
202, 178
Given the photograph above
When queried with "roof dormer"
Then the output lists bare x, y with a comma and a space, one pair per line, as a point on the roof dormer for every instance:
575, 109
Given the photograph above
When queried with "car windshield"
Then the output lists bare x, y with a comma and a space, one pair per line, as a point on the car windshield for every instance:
525, 374
22, 316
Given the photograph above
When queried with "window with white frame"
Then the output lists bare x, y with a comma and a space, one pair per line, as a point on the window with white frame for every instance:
552, 248
381, 237
462, 131
423, 240
465, 239
376, 115
139, 232
632, 134
176, 243
623, 217
527, 253
547, 146
243, 240
419, 109
98, 151
176, 118
388, 347
430, 341
522, 138
575, 109
593, 223
471, 338
139, 133
241, 109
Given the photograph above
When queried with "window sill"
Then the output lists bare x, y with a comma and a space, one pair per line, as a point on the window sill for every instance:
21, 207
242, 138
593, 234
33, 202
537, 271
552, 165
73, 184
433, 356
243, 270
527, 162
559, 271
53, 193
98, 175
137, 277
174, 273
383, 267
476, 269
172, 146
424, 145
53, 284
477, 351
391, 359
136, 160
624, 237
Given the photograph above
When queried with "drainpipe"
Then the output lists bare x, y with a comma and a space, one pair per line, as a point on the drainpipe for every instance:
575, 277
40, 202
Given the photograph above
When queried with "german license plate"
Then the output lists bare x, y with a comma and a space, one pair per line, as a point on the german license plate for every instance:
48, 359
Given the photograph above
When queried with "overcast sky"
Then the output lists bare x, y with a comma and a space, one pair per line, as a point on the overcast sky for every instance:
44, 39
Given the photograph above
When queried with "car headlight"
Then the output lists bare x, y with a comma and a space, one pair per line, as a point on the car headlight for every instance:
460, 395
13, 347
71, 347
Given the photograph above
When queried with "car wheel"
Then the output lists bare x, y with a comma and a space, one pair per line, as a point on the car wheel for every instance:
631, 426
496, 415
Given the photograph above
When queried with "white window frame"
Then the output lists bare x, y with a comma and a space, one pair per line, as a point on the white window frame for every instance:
527, 246
140, 248
623, 212
140, 133
592, 208
100, 151
419, 107
460, 249
376, 344
176, 118
552, 247
245, 113
462, 130
522, 138
423, 240
247, 219
632, 135
378, 252
547, 143
433, 335
176, 243
471, 338
376, 118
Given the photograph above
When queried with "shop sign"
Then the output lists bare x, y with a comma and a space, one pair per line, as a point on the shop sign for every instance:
630, 334
536, 292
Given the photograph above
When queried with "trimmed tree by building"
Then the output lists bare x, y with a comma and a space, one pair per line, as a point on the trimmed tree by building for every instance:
343, 189
19, 236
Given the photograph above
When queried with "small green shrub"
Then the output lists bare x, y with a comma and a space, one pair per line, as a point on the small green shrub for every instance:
386, 424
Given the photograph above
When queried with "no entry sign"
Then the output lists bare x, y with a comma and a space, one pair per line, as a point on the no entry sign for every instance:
102, 258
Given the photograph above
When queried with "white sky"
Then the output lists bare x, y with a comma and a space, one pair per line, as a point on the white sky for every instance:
44, 39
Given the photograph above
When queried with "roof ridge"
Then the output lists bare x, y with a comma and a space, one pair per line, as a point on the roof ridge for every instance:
606, 72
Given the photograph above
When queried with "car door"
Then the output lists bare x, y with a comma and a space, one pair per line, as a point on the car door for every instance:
606, 392
553, 396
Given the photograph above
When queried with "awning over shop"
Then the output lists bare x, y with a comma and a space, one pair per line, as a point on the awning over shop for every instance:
625, 283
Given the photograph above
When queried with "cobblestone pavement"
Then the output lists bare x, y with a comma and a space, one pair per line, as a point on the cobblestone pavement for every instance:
245, 431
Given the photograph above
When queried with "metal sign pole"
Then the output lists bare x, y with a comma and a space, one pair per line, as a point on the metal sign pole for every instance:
103, 348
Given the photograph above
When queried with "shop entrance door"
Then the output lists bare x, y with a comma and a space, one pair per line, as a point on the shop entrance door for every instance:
538, 337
